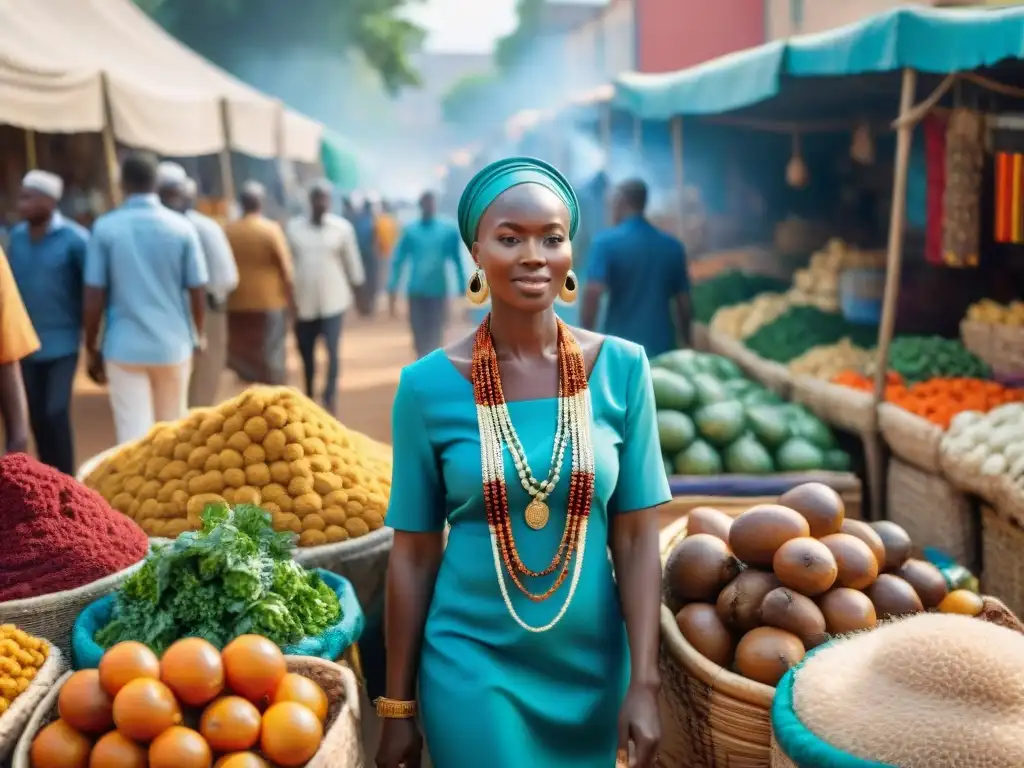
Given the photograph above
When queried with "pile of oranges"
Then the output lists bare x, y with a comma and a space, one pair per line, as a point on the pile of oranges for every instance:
240, 707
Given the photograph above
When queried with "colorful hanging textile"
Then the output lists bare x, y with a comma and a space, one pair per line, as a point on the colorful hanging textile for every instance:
1009, 198
935, 191
965, 158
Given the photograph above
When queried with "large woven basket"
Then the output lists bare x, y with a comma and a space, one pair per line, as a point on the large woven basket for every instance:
968, 478
1009, 498
1001, 346
342, 744
933, 512
711, 717
53, 616
913, 439
836, 405
772, 375
1002, 554
13, 721
779, 758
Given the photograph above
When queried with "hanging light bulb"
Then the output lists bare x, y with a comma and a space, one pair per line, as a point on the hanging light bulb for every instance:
796, 169
862, 148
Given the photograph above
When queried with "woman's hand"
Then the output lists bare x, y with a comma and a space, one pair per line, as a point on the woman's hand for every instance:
639, 723
401, 745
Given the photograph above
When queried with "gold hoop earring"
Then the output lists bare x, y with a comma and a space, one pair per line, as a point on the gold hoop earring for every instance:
570, 288
477, 292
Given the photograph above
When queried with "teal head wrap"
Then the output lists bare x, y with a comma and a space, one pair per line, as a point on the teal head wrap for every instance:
484, 188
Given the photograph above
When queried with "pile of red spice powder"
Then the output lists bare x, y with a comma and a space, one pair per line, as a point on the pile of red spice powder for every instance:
56, 534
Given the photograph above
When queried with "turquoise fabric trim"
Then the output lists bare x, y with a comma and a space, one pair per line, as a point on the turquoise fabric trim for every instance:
498, 177
803, 747
930, 40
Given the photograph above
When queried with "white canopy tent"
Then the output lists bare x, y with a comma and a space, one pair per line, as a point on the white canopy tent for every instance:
63, 63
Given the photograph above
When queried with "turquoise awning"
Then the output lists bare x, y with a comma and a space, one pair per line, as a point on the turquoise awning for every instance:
934, 41
340, 161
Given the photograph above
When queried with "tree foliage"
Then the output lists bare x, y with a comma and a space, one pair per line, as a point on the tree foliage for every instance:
466, 95
222, 30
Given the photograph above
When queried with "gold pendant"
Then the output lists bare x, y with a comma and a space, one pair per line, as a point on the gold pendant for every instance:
537, 514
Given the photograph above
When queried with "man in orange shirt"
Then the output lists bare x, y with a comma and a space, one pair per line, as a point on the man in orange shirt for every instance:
18, 340
259, 308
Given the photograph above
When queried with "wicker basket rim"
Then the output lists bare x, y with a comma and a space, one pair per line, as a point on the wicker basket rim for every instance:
715, 677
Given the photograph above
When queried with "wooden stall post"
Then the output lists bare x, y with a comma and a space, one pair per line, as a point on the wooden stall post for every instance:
227, 173
893, 265
677, 155
110, 146
31, 158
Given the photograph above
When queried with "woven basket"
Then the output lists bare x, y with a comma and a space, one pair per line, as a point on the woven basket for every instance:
933, 513
1009, 498
912, 438
53, 616
843, 407
712, 717
774, 376
1001, 346
1002, 554
699, 338
342, 745
968, 478
12, 722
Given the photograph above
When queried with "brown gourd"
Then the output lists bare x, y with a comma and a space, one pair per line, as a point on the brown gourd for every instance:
765, 654
857, 565
739, 604
847, 610
702, 629
893, 597
757, 534
897, 544
866, 533
709, 520
806, 565
785, 609
927, 581
820, 505
698, 568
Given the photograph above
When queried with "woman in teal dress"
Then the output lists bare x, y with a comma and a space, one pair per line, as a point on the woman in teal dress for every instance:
537, 444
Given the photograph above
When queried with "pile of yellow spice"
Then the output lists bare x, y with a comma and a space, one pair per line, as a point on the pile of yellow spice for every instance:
21, 658
269, 446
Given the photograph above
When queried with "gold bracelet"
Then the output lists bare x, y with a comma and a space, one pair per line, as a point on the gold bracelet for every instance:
392, 709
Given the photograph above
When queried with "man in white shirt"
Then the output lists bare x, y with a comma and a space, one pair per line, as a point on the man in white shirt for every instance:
178, 192
328, 267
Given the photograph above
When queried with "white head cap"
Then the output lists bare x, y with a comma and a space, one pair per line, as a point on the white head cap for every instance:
44, 182
323, 186
190, 188
170, 175
254, 189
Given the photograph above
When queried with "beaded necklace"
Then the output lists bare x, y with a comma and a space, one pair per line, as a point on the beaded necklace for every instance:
496, 430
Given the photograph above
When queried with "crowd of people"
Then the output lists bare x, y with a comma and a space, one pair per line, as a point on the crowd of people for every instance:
164, 299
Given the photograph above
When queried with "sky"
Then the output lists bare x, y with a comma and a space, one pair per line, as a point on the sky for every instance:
464, 26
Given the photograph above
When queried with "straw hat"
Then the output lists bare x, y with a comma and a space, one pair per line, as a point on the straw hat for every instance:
928, 691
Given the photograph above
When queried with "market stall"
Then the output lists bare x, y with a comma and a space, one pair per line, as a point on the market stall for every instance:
848, 83
104, 69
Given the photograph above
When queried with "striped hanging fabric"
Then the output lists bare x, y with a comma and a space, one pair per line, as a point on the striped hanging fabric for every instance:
1008, 145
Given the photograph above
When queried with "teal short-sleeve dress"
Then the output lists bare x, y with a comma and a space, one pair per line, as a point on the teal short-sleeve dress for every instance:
491, 693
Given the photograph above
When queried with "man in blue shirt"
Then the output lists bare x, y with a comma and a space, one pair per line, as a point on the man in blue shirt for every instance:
145, 279
47, 256
643, 271
365, 223
428, 246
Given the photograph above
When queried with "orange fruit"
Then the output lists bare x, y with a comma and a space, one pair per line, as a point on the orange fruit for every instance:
291, 734
84, 705
241, 760
58, 745
144, 709
962, 601
230, 724
193, 670
116, 751
180, 747
302, 690
253, 667
125, 662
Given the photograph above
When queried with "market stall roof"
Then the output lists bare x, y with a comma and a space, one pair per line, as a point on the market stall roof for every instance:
164, 97
341, 161
929, 40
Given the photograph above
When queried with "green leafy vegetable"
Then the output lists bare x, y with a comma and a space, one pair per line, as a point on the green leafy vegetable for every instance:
235, 576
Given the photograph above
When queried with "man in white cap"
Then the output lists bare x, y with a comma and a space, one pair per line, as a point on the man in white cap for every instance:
47, 256
178, 192
327, 270
145, 279
258, 309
